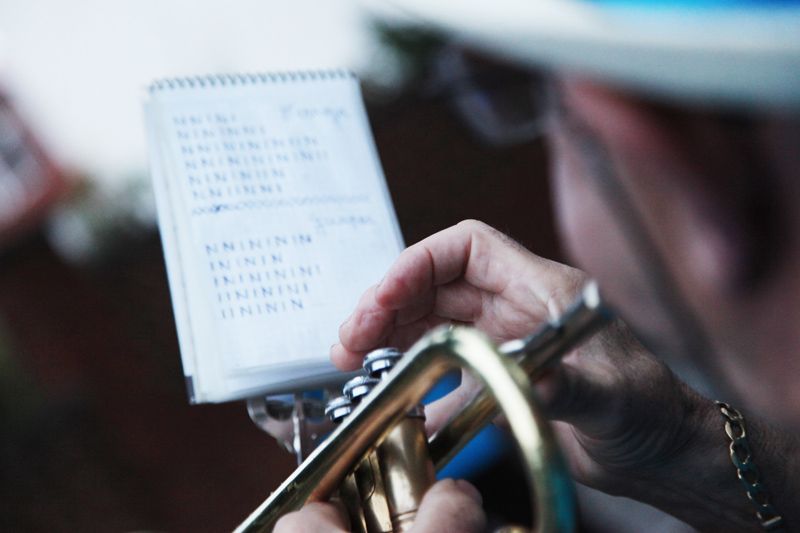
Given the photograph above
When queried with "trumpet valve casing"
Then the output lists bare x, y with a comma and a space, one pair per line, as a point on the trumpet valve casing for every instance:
392, 479
362, 491
403, 456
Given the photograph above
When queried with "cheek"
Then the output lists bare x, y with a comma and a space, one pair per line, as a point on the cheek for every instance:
595, 244
586, 229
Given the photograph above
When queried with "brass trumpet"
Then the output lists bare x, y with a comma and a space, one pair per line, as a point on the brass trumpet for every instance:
377, 458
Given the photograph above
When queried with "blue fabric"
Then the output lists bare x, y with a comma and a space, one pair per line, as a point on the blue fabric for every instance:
481, 452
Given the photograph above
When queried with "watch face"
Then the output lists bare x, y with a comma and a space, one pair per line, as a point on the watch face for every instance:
30, 184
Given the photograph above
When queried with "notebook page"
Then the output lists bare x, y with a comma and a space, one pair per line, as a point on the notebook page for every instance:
281, 219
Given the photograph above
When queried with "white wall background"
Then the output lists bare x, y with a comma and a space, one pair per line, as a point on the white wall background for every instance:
76, 70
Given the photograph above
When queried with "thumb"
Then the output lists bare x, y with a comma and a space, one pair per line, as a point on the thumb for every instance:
438, 412
450, 506
315, 517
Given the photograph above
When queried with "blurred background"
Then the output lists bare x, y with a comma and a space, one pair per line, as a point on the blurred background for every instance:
96, 433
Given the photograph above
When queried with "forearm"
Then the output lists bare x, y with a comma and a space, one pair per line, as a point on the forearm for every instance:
699, 484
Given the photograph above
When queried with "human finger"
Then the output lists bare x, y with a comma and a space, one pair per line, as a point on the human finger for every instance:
416, 310
458, 301
401, 337
470, 249
344, 359
367, 325
316, 517
450, 506
436, 260
439, 411
371, 326
404, 337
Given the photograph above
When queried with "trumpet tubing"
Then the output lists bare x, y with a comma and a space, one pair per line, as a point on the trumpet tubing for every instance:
378, 460
407, 471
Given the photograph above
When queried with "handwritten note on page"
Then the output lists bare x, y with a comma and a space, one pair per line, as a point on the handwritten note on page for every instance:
274, 216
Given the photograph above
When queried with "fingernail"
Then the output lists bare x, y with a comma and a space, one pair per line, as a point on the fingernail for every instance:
467, 488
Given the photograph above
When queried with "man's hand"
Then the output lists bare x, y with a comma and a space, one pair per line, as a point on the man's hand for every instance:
449, 506
469, 273
625, 423
622, 414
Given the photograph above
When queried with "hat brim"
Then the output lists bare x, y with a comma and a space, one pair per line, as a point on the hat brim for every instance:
719, 55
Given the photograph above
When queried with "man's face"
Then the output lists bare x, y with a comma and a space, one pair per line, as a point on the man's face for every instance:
696, 186
601, 142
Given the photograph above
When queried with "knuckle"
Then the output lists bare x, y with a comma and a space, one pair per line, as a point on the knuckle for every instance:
473, 225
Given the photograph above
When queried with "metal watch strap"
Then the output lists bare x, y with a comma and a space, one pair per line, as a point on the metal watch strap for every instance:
746, 470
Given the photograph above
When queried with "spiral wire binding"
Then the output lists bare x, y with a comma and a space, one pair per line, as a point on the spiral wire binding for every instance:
223, 80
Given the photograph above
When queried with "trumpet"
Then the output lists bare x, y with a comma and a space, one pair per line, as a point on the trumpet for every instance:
378, 460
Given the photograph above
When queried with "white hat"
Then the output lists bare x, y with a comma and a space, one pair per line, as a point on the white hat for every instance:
719, 51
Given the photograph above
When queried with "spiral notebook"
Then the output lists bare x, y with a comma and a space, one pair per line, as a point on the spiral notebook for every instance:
274, 216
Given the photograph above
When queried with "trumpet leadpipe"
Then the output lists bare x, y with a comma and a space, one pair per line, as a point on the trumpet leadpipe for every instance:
534, 354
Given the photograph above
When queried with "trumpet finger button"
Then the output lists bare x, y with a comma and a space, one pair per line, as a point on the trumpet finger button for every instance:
359, 386
381, 360
338, 408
